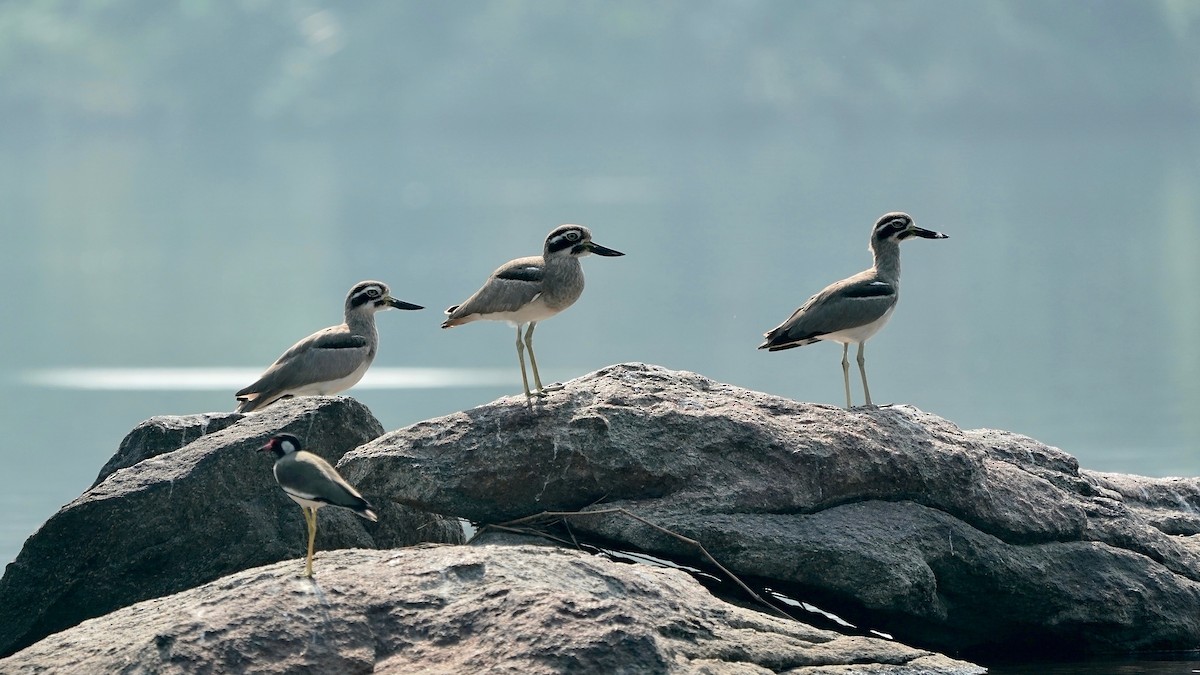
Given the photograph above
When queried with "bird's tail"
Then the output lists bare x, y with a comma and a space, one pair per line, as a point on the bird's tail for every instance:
452, 320
777, 340
367, 511
247, 404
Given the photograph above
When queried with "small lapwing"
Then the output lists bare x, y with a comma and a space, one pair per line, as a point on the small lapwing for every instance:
529, 290
331, 360
312, 483
855, 308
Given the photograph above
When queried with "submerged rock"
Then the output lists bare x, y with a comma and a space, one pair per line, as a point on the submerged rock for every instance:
456, 609
170, 517
958, 540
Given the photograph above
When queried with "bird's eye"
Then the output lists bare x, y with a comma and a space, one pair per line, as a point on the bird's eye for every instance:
572, 236
373, 292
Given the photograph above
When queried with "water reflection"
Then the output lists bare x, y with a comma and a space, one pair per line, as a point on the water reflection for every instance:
1167, 663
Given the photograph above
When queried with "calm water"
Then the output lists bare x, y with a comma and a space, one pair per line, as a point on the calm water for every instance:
1162, 664
1063, 310
1063, 305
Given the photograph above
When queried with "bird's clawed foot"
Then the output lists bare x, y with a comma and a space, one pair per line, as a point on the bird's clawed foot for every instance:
871, 406
544, 392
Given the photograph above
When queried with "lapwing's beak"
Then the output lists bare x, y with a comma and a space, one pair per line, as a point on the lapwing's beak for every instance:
926, 234
400, 304
602, 250
269, 446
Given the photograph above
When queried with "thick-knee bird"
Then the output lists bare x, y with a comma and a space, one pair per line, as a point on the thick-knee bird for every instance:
528, 290
330, 360
855, 308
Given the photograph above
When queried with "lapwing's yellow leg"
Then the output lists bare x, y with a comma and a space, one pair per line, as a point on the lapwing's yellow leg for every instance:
862, 369
310, 515
846, 371
521, 358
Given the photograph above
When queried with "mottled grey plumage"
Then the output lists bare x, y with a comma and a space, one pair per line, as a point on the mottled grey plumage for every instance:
855, 308
312, 483
528, 290
331, 360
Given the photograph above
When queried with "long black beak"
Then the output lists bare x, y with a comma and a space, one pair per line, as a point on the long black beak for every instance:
602, 250
400, 304
926, 234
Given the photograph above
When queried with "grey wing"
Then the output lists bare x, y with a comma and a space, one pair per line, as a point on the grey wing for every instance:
849, 303
509, 288
309, 476
329, 354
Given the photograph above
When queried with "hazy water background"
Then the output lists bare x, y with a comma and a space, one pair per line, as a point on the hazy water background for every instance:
197, 185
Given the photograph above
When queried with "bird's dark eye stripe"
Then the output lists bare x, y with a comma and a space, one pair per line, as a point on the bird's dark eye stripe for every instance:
364, 295
891, 227
560, 242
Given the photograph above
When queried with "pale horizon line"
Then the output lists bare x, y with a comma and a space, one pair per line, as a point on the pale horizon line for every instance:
229, 378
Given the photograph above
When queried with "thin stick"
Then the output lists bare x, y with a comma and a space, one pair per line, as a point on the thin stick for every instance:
527, 531
512, 526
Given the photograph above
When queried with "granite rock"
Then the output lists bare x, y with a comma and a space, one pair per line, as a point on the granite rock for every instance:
458, 609
188, 515
967, 541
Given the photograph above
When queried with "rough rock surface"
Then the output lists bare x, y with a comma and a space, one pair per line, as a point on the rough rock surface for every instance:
176, 520
456, 609
160, 435
966, 541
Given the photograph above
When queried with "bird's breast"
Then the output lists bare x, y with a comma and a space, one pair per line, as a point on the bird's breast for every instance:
562, 285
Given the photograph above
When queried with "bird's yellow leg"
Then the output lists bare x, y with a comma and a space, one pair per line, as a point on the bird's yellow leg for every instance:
310, 515
308, 525
862, 369
521, 358
846, 371
537, 379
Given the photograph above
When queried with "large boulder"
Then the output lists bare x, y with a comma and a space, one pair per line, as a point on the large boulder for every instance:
968, 541
193, 502
456, 609
163, 434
